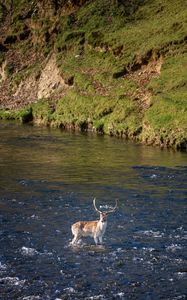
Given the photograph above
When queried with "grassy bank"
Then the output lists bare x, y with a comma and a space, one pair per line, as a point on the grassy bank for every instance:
124, 65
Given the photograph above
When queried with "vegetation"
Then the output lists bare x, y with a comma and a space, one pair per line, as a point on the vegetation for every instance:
123, 63
24, 115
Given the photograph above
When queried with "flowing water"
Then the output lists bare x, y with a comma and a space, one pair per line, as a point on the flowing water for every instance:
48, 180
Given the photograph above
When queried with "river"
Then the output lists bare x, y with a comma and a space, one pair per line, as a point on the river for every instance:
48, 179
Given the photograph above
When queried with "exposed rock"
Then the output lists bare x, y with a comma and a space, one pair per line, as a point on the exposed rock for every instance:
50, 80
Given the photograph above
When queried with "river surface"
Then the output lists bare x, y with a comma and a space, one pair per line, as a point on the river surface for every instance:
48, 179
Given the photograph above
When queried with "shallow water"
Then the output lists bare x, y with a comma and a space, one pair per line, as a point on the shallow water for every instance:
48, 179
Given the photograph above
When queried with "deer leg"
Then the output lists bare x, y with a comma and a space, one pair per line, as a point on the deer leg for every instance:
96, 240
101, 240
75, 239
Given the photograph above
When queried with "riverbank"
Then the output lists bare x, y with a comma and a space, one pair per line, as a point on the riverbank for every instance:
104, 66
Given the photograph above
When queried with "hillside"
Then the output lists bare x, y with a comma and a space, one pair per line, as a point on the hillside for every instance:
117, 67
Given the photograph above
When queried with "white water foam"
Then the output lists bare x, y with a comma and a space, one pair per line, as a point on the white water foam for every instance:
28, 251
151, 233
120, 250
184, 237
138, 259
120, 295
149, 249
153, 176
181, 274
12, 281
69, 290
31, 298
180, 297
173, 247
3, 267
34, 217
96, 297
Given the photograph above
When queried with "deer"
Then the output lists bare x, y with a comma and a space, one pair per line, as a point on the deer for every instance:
95, 229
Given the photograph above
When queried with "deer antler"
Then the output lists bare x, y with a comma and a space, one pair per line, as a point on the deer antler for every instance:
107, 212
114, 208
100, 212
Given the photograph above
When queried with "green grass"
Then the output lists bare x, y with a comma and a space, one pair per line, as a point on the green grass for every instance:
159, 27
167, 117
168, 112
106, 114
23, 115
173, 76
42, 112
100, 39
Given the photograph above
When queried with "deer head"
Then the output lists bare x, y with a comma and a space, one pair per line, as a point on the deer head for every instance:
104, 214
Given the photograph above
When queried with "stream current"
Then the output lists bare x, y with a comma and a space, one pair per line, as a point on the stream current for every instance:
48, 179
